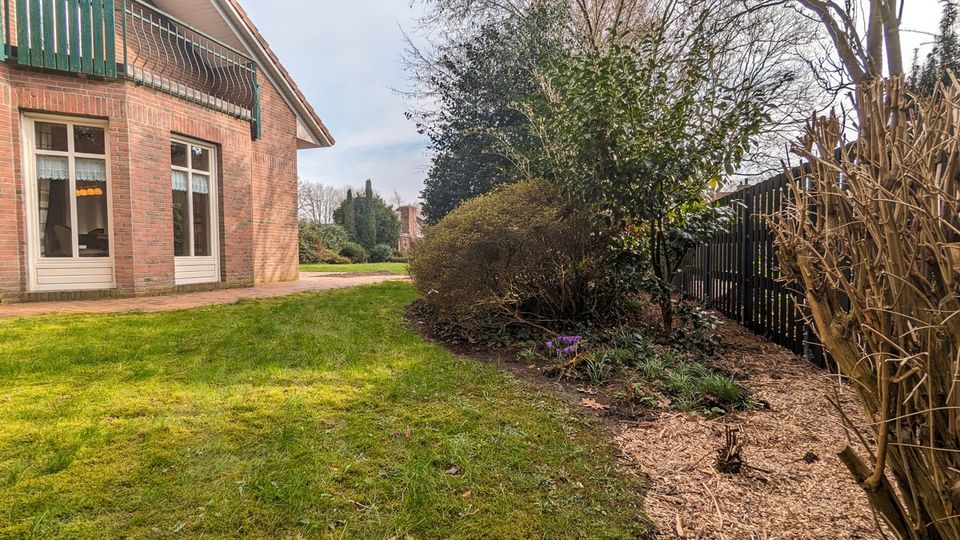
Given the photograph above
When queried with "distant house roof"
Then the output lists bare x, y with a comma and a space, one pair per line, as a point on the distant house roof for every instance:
226, 21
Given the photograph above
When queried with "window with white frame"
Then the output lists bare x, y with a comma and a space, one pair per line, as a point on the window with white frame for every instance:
72, 190
193, 190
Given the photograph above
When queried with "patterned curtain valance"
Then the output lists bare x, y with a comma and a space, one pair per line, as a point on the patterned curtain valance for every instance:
201, 184
91, 170
53, 168
179, 181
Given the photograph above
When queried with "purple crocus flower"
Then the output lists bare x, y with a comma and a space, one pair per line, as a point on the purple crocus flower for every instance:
564, 345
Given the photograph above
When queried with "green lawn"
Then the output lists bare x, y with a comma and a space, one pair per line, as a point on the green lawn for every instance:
319, 415
393, 268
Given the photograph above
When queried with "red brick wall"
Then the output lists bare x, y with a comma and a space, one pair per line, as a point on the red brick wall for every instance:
275, 191
10, 202
257, 178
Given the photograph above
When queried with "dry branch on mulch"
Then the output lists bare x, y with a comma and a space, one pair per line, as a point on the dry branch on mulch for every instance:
791, 484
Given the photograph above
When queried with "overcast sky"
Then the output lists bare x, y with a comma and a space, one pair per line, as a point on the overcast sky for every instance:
345, 56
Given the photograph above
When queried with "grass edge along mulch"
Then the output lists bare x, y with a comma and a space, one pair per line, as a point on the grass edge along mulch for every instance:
792, 485
318, 415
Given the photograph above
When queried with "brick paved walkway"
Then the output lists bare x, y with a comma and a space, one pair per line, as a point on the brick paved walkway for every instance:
309, 281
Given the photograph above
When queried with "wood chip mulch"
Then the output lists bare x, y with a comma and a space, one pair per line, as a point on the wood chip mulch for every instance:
791, 486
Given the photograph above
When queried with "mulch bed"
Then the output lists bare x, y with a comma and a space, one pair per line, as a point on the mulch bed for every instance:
789, 484
792, 487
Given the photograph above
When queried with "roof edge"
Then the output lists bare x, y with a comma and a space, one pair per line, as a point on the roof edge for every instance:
238, 17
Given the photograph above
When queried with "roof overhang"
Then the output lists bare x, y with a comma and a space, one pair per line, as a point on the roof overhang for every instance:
229, 23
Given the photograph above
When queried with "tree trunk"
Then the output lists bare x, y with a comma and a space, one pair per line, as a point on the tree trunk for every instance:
666, 315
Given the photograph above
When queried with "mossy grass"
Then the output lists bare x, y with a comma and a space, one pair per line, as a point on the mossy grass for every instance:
394, 268
317, 415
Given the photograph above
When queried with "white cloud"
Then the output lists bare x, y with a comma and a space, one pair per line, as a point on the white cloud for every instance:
345, 56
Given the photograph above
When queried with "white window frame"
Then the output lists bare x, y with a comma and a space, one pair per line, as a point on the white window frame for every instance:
41, 269
193, 269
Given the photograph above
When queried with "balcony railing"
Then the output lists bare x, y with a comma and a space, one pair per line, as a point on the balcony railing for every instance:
132, 39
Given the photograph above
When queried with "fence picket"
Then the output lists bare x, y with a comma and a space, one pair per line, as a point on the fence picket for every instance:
737, 272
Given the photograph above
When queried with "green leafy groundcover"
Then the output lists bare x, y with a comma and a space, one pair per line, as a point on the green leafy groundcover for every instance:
318, 415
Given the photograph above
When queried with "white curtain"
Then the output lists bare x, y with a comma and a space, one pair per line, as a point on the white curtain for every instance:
201, 184
53, 168
91, 170
179, 181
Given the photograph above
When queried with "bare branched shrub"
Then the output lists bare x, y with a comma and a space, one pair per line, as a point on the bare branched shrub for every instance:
872, 238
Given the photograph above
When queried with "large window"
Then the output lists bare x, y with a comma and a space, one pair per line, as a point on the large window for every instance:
72, 191
194, 229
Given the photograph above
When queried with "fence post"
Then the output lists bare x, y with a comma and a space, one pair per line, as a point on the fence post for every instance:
746, 262
708, 275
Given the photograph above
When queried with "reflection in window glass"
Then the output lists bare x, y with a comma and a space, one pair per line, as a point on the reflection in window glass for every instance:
51, 136
178, 155
201, 215
200, 159
53, 196
91, 194
181, 209
89, 140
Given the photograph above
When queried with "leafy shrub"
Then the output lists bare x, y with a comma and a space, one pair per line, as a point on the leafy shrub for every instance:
316, 239
696, 331
381, 253
333, 237
331, 257
307, 242
354, 252
515, 256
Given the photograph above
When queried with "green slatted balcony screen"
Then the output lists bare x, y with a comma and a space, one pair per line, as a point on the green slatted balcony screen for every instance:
68, 35
4, 30
156, 50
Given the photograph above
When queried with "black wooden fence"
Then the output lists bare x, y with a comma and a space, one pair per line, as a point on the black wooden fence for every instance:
737, 272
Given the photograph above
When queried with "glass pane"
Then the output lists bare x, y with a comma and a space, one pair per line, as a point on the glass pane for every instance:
201, 215
178, 154
201, 159
92, 226
180, 210
51, 136
88, 140
53, 198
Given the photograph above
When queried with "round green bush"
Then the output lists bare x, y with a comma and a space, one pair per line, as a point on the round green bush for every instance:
381, 253
331, 257
333, 237
354, 252
317, 239
519, 255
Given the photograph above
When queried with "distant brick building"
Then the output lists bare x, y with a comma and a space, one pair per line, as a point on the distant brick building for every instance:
128, 167
411, 226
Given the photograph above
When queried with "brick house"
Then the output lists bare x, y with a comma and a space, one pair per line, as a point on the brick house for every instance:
411, 226
146, 147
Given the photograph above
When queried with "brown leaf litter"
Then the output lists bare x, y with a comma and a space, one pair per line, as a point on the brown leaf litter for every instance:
791, 484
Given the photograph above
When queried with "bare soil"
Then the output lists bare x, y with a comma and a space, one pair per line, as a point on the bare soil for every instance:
790, 484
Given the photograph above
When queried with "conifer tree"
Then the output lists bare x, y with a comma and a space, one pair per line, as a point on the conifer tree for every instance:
350, 216
366, 217
943, 59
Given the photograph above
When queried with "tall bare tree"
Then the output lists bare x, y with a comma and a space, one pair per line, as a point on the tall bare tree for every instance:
316, 202
865, 35
591, 19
